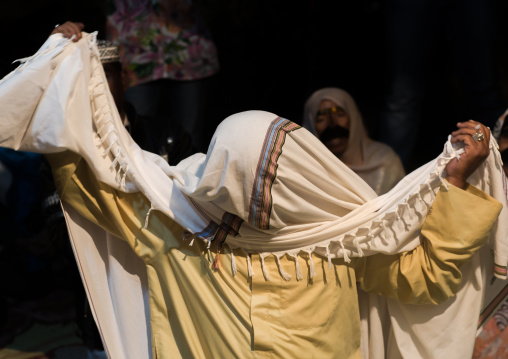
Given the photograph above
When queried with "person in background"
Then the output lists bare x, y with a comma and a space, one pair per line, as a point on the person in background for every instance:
332, 115
153, 133
169, 58
492, 341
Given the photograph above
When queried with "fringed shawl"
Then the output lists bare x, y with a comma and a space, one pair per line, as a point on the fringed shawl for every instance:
265, 186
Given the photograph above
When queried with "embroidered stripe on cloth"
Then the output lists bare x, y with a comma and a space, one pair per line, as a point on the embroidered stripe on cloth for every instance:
265, 185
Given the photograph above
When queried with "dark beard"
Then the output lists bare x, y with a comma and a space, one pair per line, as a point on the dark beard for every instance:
334, 132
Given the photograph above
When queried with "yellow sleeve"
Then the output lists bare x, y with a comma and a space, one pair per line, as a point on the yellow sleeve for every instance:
457, 225
121, 214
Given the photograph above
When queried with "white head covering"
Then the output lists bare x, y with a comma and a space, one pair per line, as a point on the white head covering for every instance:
376, 163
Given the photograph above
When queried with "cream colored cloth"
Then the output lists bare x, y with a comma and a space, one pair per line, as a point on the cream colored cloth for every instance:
376, 163
271, 208
379, 166
58, 100
116, 284
204, 313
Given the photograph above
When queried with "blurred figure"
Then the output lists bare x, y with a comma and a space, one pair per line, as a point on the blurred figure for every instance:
413, 28
502, 136
170, 141
331, 114
168, 57
492, 341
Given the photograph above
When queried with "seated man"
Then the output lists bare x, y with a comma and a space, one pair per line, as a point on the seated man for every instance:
331, 114
267, 198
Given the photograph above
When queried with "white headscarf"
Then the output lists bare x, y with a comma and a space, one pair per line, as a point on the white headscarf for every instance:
376, 163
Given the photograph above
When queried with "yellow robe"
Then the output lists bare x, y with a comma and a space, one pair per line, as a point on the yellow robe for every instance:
198, 312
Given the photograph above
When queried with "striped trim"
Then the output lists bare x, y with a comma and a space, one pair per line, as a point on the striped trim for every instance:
489, 310
500, 270
209, 231
230, 226
261, 197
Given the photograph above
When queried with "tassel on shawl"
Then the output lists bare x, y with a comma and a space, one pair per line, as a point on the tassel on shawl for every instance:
115, 161
422, 202
208, 254
122, 182
328, 256
215, 264
249, 264
432, 194
233, 262
107, 149
356, 242
282, 272
443, 183
103, 126
399, 219
106, 135
409, 210
312, 270
299, 275
385, 233
346, 257
118, 176
263, 267
147, 217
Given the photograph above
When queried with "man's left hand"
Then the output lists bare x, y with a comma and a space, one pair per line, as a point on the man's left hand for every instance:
68, 29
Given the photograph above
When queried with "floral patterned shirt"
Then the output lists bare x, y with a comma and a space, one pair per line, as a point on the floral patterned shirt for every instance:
161, 39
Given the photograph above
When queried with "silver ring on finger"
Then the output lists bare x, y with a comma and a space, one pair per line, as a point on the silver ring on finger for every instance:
478, 136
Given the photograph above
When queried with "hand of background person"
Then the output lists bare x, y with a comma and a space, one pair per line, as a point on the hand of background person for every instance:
68, 29
458, 170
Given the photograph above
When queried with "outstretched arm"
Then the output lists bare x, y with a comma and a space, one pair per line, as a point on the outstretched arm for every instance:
457, 225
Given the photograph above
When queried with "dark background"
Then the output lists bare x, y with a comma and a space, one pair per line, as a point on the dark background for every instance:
275, 53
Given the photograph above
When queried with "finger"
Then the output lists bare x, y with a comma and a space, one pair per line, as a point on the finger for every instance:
486, 133
467, 139
64, 30
75, 30
72, 29
465, 131
468, 124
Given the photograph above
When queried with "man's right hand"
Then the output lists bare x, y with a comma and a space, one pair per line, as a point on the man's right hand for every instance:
68, 29
475, 152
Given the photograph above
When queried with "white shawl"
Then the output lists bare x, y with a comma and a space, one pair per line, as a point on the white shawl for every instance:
265, 185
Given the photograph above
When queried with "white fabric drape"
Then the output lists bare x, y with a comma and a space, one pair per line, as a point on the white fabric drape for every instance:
59, 100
